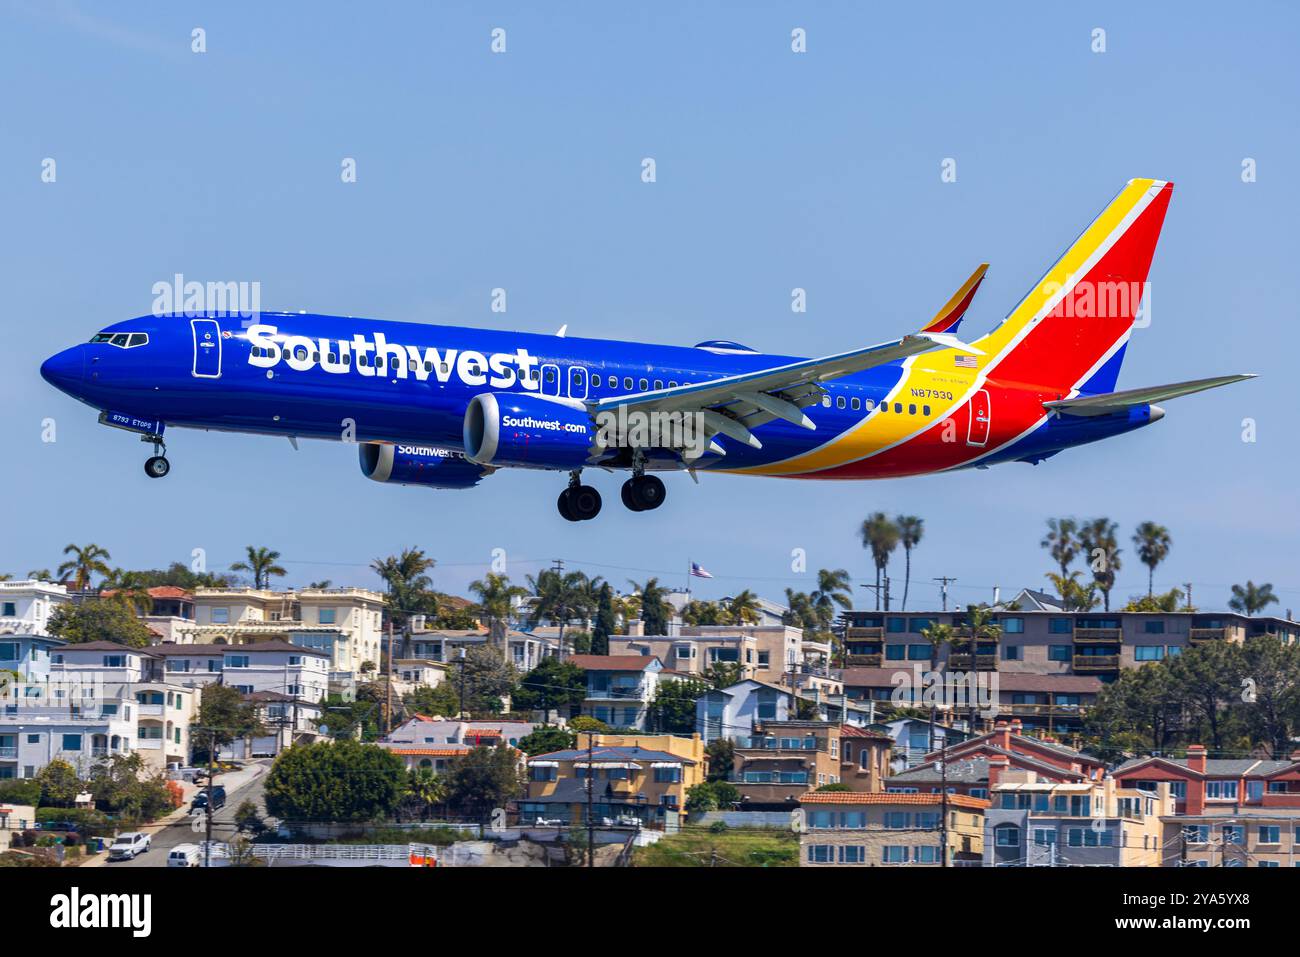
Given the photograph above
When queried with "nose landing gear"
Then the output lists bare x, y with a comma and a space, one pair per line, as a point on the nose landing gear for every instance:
156, 466
578, 502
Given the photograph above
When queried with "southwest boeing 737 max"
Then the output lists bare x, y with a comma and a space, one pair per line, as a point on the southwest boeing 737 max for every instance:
444, 406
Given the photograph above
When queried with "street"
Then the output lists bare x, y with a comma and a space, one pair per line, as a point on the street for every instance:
244, 785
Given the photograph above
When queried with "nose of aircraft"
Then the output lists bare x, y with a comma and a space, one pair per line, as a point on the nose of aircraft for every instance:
66, 369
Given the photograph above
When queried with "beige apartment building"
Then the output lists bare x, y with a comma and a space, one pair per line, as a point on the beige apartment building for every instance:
843, 829
344, 623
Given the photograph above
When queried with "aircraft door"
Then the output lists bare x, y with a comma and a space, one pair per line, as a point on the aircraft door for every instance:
577, 382
980, 419
207, 348
550, 380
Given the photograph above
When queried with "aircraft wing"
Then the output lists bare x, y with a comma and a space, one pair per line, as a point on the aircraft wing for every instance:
1109, 402
735, 405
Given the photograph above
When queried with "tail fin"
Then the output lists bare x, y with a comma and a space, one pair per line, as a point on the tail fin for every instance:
1070, 330
949, 317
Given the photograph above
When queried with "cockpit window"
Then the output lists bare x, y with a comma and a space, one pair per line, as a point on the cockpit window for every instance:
123, 340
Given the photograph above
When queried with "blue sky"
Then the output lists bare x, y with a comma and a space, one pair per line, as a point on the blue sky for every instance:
775, 170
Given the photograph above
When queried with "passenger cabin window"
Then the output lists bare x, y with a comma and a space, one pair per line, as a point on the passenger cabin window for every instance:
627, 383
898, 407
839, 402
644, 384
857, 403
826, 401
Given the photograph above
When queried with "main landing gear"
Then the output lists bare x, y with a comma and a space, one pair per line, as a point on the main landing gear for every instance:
641, 493
578, 502
156, 466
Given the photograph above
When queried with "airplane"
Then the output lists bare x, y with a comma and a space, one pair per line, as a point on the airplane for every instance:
444, 406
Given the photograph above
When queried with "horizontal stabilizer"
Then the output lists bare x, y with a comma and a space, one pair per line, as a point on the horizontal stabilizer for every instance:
1109, 402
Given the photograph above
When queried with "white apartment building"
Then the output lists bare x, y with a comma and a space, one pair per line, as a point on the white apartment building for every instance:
26, 606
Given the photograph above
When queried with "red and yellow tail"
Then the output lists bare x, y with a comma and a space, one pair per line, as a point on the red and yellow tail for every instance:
1073, 325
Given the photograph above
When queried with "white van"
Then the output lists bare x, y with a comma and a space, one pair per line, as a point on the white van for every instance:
184, 855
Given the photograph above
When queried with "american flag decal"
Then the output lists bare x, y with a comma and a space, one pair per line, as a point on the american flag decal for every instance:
965, 362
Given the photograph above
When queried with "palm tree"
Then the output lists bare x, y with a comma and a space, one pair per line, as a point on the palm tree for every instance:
135, 597
1061, 542
939, 636
561, 597
982, 626
1098, 536
802, 612
705, 613
410, 589
86, 561
1075, 596
655, 610
832, 590
1251, 598
40, 575
262, 563
744, 608
1152, 543
495, 595
910, 530
880, 535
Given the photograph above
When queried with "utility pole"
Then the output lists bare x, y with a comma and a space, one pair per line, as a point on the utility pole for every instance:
943, 588
1188, 586
591, 822
882, 591
388, 698
462, 682
943, 801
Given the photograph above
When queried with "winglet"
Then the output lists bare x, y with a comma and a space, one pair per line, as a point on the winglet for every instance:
949, 317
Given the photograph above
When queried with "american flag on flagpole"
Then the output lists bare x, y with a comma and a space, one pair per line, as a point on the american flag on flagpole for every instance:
697, 571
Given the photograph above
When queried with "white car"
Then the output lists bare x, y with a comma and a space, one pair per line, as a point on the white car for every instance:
129, 845
184, 855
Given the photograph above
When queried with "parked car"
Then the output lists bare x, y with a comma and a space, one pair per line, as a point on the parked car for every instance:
200, 802
129, 845
185, 855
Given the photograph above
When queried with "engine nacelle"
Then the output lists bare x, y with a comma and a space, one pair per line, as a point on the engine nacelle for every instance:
419, 465
503, 428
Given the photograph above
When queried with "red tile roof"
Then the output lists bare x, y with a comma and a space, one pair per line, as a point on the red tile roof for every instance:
852, 731
439, 752
885, 797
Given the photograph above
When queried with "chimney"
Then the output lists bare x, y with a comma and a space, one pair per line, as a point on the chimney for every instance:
1196, 758
1001, 736
635, 628
1016, 726
998, 765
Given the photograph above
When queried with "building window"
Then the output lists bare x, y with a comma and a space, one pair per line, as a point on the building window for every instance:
1060, 626
1153, 626
1148, 652
821, 820
236, 661
1006, 835
1010, 652
925, 854
1059, 652
1234, 834
1044, 836
919, 652
897, 820
894, 854
895, 652
1221, 790
1012, 626
71, 742
221, 616
895, 625
328, 616
821, 853
1270, 834
542, 774
853, 853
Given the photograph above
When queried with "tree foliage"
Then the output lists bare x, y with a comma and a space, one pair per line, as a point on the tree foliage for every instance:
99, 620
335, 781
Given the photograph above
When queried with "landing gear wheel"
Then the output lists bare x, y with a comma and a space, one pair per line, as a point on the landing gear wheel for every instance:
645, 492
579, 503
565, 506
626, 493
156, 466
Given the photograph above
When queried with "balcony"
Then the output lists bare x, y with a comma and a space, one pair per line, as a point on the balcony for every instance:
1207, 634
8, 754
1094, 663
779, 744
864, 634
614, 694
1044, 710
1110, 636
864, 661
149, 744
150, 710
961, 662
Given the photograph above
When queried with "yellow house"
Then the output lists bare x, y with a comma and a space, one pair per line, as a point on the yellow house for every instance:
635, 778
